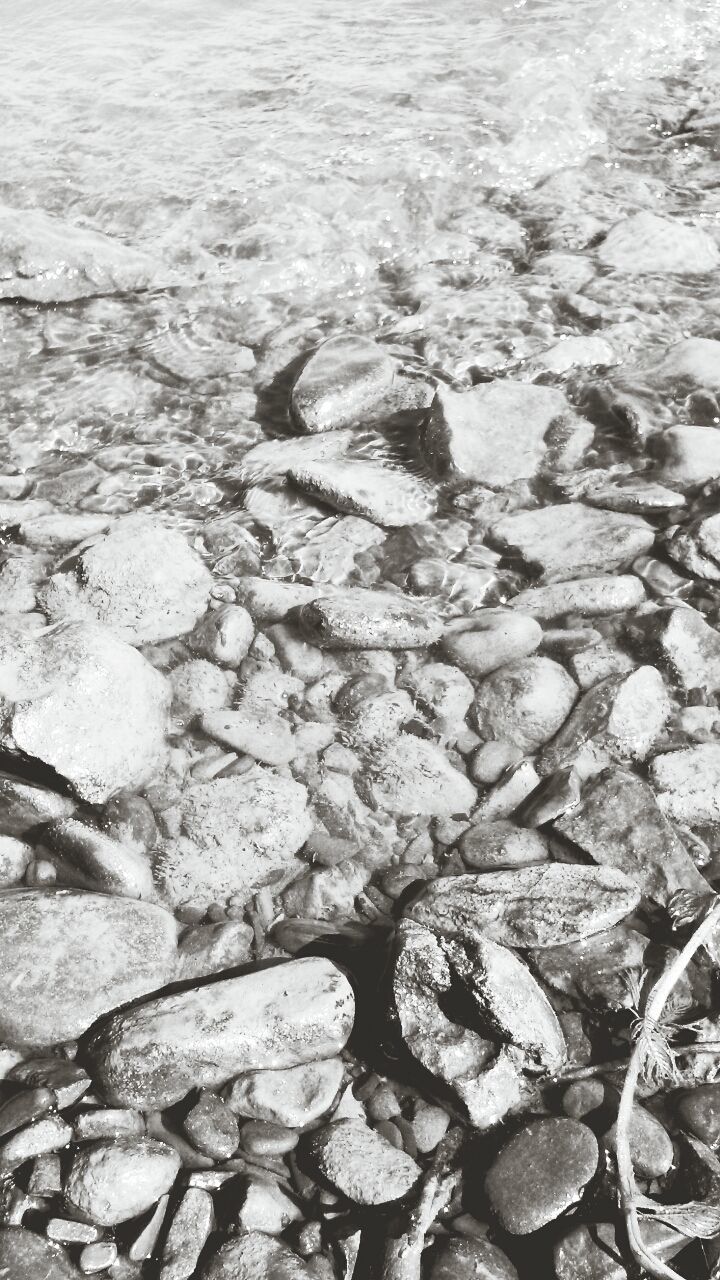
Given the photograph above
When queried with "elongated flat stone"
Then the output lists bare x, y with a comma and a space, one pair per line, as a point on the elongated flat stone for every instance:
573, 541
359, 619
388, 496
343, 382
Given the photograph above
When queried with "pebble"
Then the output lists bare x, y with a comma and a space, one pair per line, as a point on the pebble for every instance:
95, 1258
111, 1181
462, 1258
345, 381
50, 1133
26, 1256
693, 362
266, 1207
413, 776
651, 1147
646, 242
270, 601
620, 718
441, 690
589, 597
294, 1098
270, 743
381, 493
685, 644
224, 635
501, 801
525, 702
198, 686
66, 1080
15, 857
689, 456
696, 547
492, 846
90, 859
151, 1056
490, 761
361, 1164
68, 1231
190, 1227
497, 638
699, 1111
211, 1127
687, 784
254, 1255
540, 1173
572, 541
361, 619
143, 1244
429, 1124
107, 1122
261, 1138
599, 1252
24, 805
46, 1177
210, 948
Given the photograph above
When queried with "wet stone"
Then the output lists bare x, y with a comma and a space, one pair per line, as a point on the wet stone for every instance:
492, 846
15, 856
191, 1224
261, 1138
112, 1181
107, 1122
198, 686
687, 784
620, 718
540, 1173
344, 382
693, 362
224, 635
591, 597
359, 619
651, 1147
211, 1127
598, 1251
361, 1164
525, 702
689, 456
294, 1098
89, 859
413, 776
647, 243
388, 496
51, 1133
497, 637
26, 1256
67, 1231
685, 644
254, 1255
25, 1107
696, 547
591, 969
699, 1112
512, 788
66, 1080
96, 1258
460, 1257
266, 1207
572, 541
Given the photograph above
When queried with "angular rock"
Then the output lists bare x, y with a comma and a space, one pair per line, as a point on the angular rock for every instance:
26, 1256
224, 635
67, 957
232, 836
295, 1098
67, 1081
198, 686
573, 541
619, 824
593, 969
687, 784
151, 1056
494, 846
694, 362
529, 907
87, 705
497, 637
141, 580
388, 496
253, 1255
540, 1173
270, 601
516, 784
212, 1128
696, 547
525, 702
112, 1181
360, 619
591, 597
192, 1222
685, 643
689, 455
620, 718
361, 1164
343, 384
647, 243
413, 776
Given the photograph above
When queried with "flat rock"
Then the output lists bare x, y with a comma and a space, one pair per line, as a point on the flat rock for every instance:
466, 1258
413, 776
575, 352
572, 541
525, 702
620, 718
270, 601
68, 957
295, 1098
361, 1164
269, 741
384, 494
693, 363
112, 1181
86, 704
591, 597
360, 619
272, 459
619, 824
26, 1256
696, 547
540, 1173
141, 580
211, 1127
599, 1252
528, 907
87, 858
495, 846
592, 969
689, 455
494, 433
497, 637
646, 243
151, 1056
684, 643
192, 1222
345, 381
231, 836
687, 784
253, 1255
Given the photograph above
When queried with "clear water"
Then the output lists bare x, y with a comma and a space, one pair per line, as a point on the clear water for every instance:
397, 168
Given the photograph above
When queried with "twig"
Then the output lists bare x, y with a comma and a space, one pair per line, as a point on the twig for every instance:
403, 1254
654, 1007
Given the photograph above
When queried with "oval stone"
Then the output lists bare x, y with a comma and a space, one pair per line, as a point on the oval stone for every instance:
116, 1179
540, 1173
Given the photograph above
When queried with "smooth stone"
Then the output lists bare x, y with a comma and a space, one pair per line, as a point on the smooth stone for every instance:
108, 1122
699, 1112
343, 384
633, 495
694, 362
254, 1255
501, 801
224, 635
266, 1207
440, 689
211, 1127
361, 619
88, 705
599, 1252
192, 1222
685, 644
67, 957
651, 1146
296, 1097
66, 1231
384, 494
575, 352
525, 702
529, 907
696, 547
15, 855
601, 660
26, 1256
95, 1258
50, 1133
591, 597
270, 742
112, 1181
90, 859
151, 1056
591, 969
271, 459
620, 718
58, 530
461, 1258
618, 823
572, 541
492, 846
67, 1080
497, 637
413, 776
259, 1138
199, 687
210, 948
491, 760
540, 1173
687, 784
24, 1108
689, 455
270, 601
495, 433
141, 580
361, 1164
647, 243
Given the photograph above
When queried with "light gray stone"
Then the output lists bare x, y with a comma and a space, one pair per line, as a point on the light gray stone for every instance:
591, 597
345, 381
360, 1163
496, 638
295, 1098
112, 1181
414, 776
379, 492
648, 243
361, 619
525, 702
572, 541
620, 718
687, 784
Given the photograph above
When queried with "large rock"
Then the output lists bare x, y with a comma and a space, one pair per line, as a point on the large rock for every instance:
525, 702
689, 455
647, 243
619, 718
360, 1163
84, 703
113, 1180
386, 495
687, 784
495, 433
345, 381
66, 957
572, 540
27, 1256
140, 579
414, 776
496, 638
231, 836
591, 597
696, 547
685, 643
694, 362
151, 1056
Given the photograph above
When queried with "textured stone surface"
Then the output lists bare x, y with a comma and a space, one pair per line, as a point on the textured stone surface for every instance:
414, 776
26, 1256
346, 379
591, 597
541, 1172
525, 702
360, 1163
387, 496
687, 784
295, 1097
497, 637
619, 718
465, 1258
571, 541
647, 243
111, 1181
359, 619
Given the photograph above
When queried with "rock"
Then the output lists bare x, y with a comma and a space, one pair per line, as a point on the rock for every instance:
329, 552
66, 1231
620, 718
108, 1122
687, 784
89, 859
210, 948
497, 638
67, 1081
413, 776
199, 686
361, 1164
528, 907
651, 1147
593, 970
525, 702
492, 759
26, 1256
45, 259
271, 743
696, 547
518, 782
192, 1222
574, 351
379, 492
224, 635
87, 705
14, 858
699, 1111
343, 384
327, 893
599, 661
647, 243
573, 541
591, 597
361, 619
59, 530
429, 1124
141, 579
685, 644
211, 1127
112, 1181
440, 690
67, 957
619, 824
599, 1252
151, 1056
295, 1098
462, 583
99, 1257
540, 1173
694, 362
49, 1133
495, 433
256, 1256
462, 1258
266, 1207
19, 579
271, 459
492, 846
632, 494
270, 601
688, 455
232, 836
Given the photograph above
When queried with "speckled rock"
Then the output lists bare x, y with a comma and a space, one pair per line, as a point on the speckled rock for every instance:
14, 857
413, 776
87, 858
151, 1056
270, 601
67, 957
253, 1255
592, 970
27, 1256
648, 243
525, 702
696, 547
191, 1224
384, 494
211, 1127
598, 1251
465, 1258
295, 1097
689, 456
497, 637
693, 362
270, 741
344, 382
651, 1146
620, 718
199, 686
141, 579
492, 846
360, 619
685, 644
591, 597
687, 784
440, 690
112, 1181
571, 541
360, 1163
224, 635
541, 1172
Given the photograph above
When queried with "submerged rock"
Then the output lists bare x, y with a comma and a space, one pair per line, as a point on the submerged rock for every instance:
591, 597
458, 1257
619, 718
525, 702
360, 619
24, 805
345, 381
689, 455
647, 243
696, 547
685, 643
361, 1164
152, 1055
540, 1173
386, 495
111, 1181
413, 776
694, 362
572, 541
496, 638
595, 970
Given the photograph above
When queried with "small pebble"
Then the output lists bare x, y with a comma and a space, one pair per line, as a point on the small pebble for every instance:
69, 1231
48, 1134
429, 1124
699, 1112
191, 1224
260, 1138
24, 1108
212, 1127
98, 1257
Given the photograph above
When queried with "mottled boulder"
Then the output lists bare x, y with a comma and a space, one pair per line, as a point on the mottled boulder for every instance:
619, 718
646, 243
540, 1172
152, 1055
413, 776
141, 579
113, 1180
379, 492
525, 702
345, 382
360, 1163
572, 540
